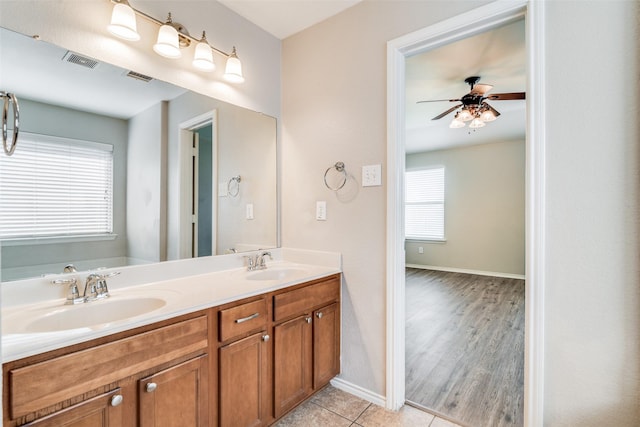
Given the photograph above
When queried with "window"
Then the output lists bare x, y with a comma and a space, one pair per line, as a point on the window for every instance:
56, 187
424, 204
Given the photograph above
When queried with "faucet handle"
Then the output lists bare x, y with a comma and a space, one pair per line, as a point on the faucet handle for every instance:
250, 260
73, 296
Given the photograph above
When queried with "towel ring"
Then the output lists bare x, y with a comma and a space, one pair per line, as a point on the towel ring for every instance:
230, 191
10, 98
339, 166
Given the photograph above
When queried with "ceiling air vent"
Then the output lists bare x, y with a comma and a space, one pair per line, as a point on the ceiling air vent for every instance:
139, 76
83, 61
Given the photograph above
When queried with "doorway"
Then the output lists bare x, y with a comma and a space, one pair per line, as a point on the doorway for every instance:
199, 171
459, 27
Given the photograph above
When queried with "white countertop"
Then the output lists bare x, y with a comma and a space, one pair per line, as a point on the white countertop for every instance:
180, 295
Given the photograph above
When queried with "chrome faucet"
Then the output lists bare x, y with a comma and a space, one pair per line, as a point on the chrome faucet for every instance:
95, 288
257, 262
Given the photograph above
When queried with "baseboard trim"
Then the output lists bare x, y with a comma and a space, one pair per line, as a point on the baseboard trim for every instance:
463, 270
356, 390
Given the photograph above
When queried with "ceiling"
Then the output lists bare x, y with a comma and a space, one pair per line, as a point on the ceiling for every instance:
498, 56
283, 18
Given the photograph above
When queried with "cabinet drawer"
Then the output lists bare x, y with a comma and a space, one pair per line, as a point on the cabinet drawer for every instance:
47, 383
302, 300
243, 318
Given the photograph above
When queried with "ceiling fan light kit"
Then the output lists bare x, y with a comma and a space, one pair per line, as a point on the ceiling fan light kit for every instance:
171, 38
473, 106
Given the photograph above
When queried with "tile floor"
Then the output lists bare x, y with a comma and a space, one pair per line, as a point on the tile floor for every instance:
335, 408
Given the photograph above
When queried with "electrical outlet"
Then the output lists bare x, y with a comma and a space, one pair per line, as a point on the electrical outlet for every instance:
321, 211
420, 250
249, 210
371, 175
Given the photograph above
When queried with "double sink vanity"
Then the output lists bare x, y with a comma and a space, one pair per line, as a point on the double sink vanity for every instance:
200, 342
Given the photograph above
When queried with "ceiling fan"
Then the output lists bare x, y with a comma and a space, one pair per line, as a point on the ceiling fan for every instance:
474, 105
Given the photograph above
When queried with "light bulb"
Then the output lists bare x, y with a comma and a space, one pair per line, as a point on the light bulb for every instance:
233, 70
123, 22
168, 43
456, 123
203, 58
487, 116
476, 123
465, 115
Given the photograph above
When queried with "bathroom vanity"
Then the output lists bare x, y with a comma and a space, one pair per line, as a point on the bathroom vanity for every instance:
241, 361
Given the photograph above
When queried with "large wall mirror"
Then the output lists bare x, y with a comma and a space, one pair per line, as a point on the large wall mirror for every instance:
192, 176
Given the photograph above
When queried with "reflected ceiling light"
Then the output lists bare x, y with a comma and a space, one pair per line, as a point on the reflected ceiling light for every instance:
465, 115
233, 70
476, 123
123, 22
171, 38
168, 43
456, 123
203, 57
487, 116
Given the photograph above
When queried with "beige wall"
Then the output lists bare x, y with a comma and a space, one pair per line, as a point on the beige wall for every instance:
484, 209
334, 109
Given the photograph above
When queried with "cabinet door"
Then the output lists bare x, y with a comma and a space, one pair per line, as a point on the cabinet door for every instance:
244, 382
326, 344
104, 410
293, 359
175, 397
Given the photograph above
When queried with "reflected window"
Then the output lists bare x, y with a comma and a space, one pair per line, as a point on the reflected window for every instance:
56, 187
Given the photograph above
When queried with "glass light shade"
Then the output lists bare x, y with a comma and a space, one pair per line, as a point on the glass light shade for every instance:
203, 58
476, 123
233, 69
465, 115
487, 116
123, 22
456, 123
167, 44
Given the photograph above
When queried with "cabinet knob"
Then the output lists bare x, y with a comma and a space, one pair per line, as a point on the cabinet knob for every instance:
309, 319
266, 338
116, 400
150, 387
319, 315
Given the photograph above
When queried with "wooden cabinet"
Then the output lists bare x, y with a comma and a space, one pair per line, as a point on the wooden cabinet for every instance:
246, 363
306, 347
104, 410
177, 396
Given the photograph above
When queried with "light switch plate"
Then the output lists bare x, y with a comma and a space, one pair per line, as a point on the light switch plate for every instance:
321, 211
371, 175
249, 210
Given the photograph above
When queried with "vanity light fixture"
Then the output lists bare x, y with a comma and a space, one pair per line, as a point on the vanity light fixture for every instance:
171, 38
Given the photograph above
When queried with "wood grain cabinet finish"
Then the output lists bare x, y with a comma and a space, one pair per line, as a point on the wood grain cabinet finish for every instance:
326, 344
177, 396
244, 382
104, 410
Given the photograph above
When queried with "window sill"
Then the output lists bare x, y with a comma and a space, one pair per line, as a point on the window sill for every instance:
413, 240
57, 239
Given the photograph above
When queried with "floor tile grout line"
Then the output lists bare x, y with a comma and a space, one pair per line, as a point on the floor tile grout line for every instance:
363, 411
333, 412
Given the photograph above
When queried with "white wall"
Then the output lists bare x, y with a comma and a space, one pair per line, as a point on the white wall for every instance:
484, 209
592, 292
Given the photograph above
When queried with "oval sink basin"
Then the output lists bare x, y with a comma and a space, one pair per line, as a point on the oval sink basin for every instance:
276, 274
85, 315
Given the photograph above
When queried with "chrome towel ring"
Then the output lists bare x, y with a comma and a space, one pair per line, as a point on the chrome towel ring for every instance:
339, 167
234, 190
10, 98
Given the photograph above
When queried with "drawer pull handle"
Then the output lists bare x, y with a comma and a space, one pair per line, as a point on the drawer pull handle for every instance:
319, 315
151, 387
244, 319
266, 338
116, 400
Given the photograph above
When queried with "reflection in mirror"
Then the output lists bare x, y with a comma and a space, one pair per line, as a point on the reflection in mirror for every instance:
192, 175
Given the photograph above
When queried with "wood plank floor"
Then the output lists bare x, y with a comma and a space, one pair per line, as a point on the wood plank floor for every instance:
465, 346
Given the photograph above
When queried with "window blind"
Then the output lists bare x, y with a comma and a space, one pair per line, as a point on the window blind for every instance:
56, 187
424, 204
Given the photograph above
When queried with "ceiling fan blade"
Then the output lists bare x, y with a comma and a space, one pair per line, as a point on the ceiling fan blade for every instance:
506, 96
439, 100
439, 116
480, 89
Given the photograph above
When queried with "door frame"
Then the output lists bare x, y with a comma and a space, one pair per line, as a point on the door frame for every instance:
450, 30
186, 129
